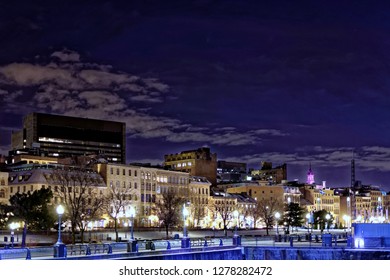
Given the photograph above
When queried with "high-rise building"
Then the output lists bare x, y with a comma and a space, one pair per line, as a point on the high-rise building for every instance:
200, 162
63, 136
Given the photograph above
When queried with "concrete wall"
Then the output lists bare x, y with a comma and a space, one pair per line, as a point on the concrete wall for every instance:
374, 235
272, 253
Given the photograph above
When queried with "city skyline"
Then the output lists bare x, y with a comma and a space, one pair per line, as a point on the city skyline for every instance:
296, 83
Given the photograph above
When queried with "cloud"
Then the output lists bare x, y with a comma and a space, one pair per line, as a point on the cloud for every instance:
66, 85
273, 132
146, 98
66, 56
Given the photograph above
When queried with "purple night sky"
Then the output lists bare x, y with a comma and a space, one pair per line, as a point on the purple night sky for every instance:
293, 82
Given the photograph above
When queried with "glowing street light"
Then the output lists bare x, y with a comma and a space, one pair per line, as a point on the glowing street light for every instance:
277, 217
185, 242
13, 226
185, 215
132, 215
327, 217
308, 221
60, 211
235, 215
59, 247
346, 219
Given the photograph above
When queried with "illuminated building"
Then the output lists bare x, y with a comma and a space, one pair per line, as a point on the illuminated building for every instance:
200, 162
274, 175
4, 190
199, 193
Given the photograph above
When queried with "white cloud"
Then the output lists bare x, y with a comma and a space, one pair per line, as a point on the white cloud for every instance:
146, 98
155, 84
67, 56
103, 79
272, 132
25, 74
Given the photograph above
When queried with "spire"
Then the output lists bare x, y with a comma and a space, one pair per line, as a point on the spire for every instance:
310, 176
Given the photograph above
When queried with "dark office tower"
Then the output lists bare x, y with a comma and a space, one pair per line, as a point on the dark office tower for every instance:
62, 136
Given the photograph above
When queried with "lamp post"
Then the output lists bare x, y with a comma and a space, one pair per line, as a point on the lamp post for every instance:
59, 247
327, 217
185, 215
132, 215
308, 222
60, 211
277, 217
236, 237
13, 226
185, 242
235, 215
345, 222
132, 244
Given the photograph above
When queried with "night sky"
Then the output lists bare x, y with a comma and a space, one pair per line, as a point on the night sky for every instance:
294, 82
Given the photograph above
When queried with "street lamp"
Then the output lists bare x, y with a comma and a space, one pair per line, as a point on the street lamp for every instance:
13, 226
59, 247
277, 217
235, 215
346, 222
308, 222
185, 241
327, 217
132, 215
185, 215
60, 211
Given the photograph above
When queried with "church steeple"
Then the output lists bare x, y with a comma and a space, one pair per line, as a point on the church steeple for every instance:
310, 176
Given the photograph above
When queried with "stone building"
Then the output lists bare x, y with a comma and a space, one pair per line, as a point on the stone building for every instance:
200, 162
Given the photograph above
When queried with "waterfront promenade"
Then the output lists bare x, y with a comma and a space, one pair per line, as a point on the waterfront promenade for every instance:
151, 242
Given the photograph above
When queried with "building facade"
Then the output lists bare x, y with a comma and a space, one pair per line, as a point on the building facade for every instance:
273, 175
200, 162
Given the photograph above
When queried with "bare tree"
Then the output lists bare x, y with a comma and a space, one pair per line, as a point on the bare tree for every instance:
78, 190
224, 206
265, 210
197, 212
119, 197
167, 209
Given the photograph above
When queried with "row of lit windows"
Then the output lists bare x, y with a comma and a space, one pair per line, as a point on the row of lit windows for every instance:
200, 190
199, 200
129, 172
172, 180
19, 188
79, 150
225, 201
124, 185
77, 142
184, 164
327, 201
